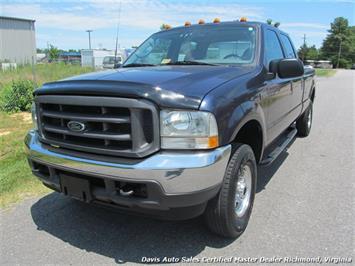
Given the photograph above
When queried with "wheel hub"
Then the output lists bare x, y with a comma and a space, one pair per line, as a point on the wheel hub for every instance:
309, 118
243, 190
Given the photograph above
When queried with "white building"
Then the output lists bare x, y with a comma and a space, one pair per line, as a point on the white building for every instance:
94, 57
17, 40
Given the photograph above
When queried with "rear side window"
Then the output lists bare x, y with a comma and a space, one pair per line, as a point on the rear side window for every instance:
273, 48
290, 53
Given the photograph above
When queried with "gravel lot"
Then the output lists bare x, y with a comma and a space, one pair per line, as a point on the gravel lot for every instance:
304, 208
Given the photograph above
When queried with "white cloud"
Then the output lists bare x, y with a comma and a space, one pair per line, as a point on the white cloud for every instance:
51, 19
304, 25
142, 17
151, 14
142, 13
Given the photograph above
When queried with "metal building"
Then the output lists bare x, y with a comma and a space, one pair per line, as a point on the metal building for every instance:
17, 40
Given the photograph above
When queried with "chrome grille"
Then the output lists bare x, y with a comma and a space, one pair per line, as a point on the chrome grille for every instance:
111, 126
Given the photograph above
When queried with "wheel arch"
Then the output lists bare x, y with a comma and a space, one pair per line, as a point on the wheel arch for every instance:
251, 130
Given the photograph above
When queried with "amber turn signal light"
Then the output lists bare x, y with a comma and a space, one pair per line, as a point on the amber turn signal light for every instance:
213, 142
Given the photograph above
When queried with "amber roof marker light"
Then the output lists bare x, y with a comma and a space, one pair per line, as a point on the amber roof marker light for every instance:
217, 20
243, 19
187, 24
201, 21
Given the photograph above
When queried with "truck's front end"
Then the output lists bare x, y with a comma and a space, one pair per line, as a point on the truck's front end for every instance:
145, 138
108, 150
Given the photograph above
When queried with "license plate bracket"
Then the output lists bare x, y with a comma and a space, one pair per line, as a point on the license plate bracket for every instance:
75, 187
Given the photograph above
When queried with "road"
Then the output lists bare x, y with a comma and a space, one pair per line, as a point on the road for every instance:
304, 208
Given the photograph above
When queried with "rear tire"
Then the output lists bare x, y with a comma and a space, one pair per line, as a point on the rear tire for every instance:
228, 213
304, 122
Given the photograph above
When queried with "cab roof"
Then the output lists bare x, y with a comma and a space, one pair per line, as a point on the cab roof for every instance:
235, 22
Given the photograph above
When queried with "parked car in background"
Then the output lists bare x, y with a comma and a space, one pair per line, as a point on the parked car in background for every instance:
112, 61
179, 129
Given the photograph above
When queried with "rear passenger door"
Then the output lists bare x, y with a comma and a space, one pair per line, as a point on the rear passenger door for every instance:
294, 100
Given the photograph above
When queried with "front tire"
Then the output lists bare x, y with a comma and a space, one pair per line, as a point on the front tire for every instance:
304, 122
228, 213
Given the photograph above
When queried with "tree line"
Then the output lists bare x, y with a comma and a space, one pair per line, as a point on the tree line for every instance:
338, 47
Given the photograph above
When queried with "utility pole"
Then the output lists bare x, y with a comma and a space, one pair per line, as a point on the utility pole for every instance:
89, 31
118, 31
304, 47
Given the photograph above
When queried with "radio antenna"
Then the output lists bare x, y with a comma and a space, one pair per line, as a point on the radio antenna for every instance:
118, 29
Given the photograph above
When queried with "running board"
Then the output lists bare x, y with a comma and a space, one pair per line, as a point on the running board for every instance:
279, 149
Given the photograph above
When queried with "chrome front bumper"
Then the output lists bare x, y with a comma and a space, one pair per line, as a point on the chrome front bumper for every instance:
176, 172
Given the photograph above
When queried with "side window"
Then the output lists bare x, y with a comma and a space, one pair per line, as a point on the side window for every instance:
273, 48
290, 53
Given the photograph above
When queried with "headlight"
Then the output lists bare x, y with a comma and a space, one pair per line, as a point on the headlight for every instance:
34, 116
188, 130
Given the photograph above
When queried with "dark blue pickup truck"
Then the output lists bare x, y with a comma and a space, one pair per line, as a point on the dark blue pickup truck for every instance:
179, 129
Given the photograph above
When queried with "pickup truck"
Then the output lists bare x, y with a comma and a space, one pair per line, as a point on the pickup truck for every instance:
178, 130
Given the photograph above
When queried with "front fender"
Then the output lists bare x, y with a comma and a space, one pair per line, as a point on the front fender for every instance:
252, 111
231, 119
234, 104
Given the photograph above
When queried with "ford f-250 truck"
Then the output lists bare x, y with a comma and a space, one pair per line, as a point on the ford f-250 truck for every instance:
179, 129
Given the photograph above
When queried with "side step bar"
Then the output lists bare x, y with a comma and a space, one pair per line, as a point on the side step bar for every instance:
279, 149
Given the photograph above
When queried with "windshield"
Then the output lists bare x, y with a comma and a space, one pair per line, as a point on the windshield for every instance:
208, 44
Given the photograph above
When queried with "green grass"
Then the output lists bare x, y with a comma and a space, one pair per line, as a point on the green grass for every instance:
320, 72
43, 73
16, 179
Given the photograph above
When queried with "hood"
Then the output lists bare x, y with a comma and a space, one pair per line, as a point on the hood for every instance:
167, 86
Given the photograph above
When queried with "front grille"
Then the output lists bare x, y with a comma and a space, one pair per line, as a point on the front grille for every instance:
112, 126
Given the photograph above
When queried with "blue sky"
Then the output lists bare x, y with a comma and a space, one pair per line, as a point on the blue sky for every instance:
63, 23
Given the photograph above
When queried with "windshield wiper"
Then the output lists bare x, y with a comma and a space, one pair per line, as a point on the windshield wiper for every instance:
137, 65
188, 62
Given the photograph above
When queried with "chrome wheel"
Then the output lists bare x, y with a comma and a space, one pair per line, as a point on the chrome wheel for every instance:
243, 190
309, 118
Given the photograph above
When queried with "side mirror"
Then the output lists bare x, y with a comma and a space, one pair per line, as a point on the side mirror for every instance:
287, 68
290, 68
273, 69
117, 65
274, 66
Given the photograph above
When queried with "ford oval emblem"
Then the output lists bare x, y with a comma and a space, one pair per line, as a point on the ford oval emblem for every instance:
76, 126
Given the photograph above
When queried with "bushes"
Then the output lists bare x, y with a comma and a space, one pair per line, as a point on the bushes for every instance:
16, 86
17, 96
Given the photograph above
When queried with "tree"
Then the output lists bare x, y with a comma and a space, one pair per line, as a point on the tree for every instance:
338, 46
53, 53
308, 53
312, 53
